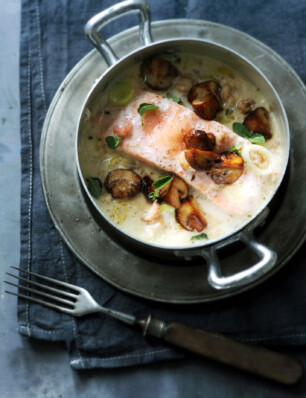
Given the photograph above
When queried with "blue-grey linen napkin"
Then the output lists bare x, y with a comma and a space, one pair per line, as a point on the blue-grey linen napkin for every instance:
52, 42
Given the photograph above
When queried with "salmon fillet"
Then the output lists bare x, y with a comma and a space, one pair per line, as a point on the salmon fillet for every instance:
159, 142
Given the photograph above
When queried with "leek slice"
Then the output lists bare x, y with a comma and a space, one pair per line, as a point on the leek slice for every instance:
258, 159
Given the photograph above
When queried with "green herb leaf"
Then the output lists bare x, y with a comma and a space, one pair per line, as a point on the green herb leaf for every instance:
112, 141
173, 98
154, 195
199, 237
94, 186
161, 182
257, 139
236, 149
143, 108
244, 132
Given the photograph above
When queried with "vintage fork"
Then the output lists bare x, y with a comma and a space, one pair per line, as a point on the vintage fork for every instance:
78, 302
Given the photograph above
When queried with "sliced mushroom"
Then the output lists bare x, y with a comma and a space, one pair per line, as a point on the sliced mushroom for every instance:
123, 183
205, 99
201, 160
158, 73
259, 122
207, 108
212, 138
153, 212
147, 187
245, 105
200, 90
228, 170
190, 217
177, 192
164, 190
198, 139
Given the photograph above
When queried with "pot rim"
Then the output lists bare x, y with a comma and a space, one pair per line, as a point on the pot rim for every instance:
195, 245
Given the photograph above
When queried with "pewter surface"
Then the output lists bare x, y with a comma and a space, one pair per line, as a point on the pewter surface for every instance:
81, 228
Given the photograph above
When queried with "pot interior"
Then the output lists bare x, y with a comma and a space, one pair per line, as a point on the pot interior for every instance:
219, 54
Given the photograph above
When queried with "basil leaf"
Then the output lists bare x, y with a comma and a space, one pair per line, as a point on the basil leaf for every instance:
244, 132
173, 98
161, 182
199, 237
143, 108
236, 149
94, 186
112, 141
257, 139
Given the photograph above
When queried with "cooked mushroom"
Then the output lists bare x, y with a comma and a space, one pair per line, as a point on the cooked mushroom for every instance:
147, 187
123, 183
205, 99
165, 189
201, 160
190, 217
153, 212
177, 193
200, 90
158, 73
198, 139
259, 122
245, 105
212, 138
228, 170
207, 108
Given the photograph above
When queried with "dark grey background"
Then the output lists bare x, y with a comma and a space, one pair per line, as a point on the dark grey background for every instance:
35, 369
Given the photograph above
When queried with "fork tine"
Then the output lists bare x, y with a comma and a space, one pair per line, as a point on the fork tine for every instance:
52, 289
42, 302
46, 278
39, 293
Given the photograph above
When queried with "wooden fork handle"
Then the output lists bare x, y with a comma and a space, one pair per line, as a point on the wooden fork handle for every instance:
257, 360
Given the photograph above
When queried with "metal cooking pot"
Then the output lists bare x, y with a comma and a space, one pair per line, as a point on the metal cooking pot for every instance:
267, 257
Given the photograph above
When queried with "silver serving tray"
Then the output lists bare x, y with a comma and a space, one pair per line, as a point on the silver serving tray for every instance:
81, 227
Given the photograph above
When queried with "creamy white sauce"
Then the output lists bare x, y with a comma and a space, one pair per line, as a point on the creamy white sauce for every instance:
96, 160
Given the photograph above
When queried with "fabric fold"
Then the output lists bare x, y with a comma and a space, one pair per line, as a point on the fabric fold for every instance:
52, 42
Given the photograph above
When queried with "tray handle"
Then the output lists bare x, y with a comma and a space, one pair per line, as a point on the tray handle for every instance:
267, 260
96, 22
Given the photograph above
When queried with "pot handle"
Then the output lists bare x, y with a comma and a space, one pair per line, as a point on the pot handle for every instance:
267, 260
95, 24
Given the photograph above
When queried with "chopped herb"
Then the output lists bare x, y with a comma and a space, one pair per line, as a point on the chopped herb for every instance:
236, 149
244, 132
143, 108
158, 185
94, 186
249, 215
112, 141
161, 182
229, 111
199, 237
154, 195
173, 98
